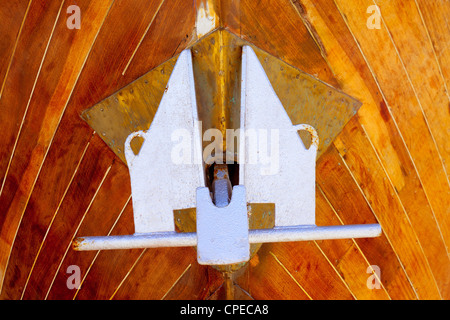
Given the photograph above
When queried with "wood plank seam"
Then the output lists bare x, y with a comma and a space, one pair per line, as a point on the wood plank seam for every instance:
290, 274
98, 252
313, 35
377, 84
403, 208
417, 98
245, 291
373, 211
214, 292
14, 49
59, 120
127, 274
176, 281
408, 151
29, 99
143, 36
354, 241
390, 113
335, 270
76, 230
18, 135
54, 215
432, 46
389, 109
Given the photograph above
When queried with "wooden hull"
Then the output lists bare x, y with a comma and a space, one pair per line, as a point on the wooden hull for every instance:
389, 165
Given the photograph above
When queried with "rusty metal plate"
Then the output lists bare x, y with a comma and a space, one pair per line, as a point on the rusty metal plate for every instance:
130, 109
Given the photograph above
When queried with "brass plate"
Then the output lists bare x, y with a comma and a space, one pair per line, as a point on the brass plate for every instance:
217, 63
130, 109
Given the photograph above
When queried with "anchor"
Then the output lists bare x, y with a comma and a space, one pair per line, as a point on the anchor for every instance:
163, 181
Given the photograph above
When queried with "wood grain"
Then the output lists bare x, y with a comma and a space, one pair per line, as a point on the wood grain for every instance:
104, 277
356, 78
384, 61
307, 265
73, 134
99, 221
344, 195
407, 32
276, 27
68, 217
435, 18
345, 255
389, 165
387, 207
54, 85
155, 273
12, 17
265, 279
171, 32
197, 283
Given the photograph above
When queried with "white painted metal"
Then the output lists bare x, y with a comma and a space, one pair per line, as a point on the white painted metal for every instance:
136, 241
288, 179
222, 232
280, 234
160, 180
307, 233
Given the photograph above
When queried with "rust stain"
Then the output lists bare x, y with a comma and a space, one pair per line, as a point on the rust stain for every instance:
77, 243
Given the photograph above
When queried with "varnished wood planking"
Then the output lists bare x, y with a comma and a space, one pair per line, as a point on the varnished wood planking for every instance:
120, 35
54, 85
265, 279
343, 194
69, 215
171, 32
197, 282
435, 17
73, 134
308, 266
408, 33
386, 206
276, 27
356, 79
230, 15
33, 228
99, 221
22, 76
155, 273
18, 88
344, 255
404, 106
111, 266
12, 16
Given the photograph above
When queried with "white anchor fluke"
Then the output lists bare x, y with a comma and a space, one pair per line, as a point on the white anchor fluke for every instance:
288, 179
159, 184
